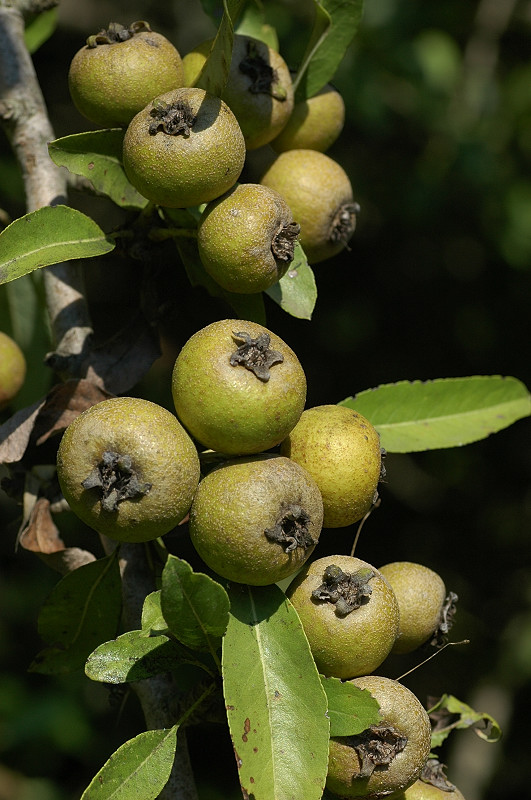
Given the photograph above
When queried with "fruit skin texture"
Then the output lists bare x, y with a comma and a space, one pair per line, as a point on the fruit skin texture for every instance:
351, 645
421, 594
261, 112
237, 502
228, 408
426, 791
314, 124
319, 193
12, 369
402, 710
179, 171
341, 451
162, 455
236, 235
110, 83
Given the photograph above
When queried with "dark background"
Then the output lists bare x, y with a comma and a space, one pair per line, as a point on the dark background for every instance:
436, 284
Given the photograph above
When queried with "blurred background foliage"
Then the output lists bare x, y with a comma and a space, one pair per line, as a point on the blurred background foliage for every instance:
436, 284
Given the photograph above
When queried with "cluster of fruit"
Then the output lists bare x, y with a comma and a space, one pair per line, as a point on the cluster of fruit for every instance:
267, 477
185, 147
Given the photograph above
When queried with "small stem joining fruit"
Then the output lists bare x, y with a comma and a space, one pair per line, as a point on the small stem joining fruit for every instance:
446, 620
283, 245
264, 79
255, 355
348, 591
376, 746
174, 119
343, 223
116, 479
291, 529
117, 33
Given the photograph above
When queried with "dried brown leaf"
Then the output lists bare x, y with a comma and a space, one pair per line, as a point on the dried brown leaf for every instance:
64, 402
16, 433
40, 534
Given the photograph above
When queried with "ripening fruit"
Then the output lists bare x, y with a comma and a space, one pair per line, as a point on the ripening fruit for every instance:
183, 149
421, 596
12, 369
319, 193
120, 70
246, 238
341, 451
386, 758
314, 124
259, 88
128, 469
237, 387
349, 614
257, 519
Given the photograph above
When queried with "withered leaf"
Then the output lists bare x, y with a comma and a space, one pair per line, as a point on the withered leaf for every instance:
40, 534
64, 402
16, 432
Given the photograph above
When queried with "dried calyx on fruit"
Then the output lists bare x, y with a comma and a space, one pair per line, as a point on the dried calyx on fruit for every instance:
347, 591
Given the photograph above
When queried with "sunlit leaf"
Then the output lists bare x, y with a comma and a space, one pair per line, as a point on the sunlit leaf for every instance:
448, 714
296, 292
215, 71
351, 710
133, 656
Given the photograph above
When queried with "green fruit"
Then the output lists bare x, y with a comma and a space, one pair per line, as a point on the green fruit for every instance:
341, 451
256, 520
349, 614
183, 149
386, 758
128, 469
12, 369
259, 88
314, 124
237, 387
246, 238
319, 193
421, 595
120, 70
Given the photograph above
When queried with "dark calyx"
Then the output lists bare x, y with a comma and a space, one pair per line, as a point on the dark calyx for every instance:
348, 591
175, 119
283, 245
117, 33
446, 620
344, 223
264, 79
116, 480
291, 530
376, 746
433, 773
255, 355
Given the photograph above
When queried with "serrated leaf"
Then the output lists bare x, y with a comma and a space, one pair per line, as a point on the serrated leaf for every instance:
449, 714
276, 705
446, 412
139, 769
253, 23
215, 71
82, 611
194, 605
97, 156
48, 236
351, 710
152, 617
335, 25
296, 292
132, 657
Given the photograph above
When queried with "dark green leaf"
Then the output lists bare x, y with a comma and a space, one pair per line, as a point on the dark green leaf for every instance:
138, 770
351, 710
449, 714
446, 412
214, 74
48, 236
253, 24
97, 156
39, 27
132, 657
194, 605
276, 705
82, 611
335, 25
296, 292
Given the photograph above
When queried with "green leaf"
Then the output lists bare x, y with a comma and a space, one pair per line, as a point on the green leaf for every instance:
48, 236
194, 605
39, 27
449, 714
351, 710
445, 412
152, 617
82, 611
214, 74
253, 24
276, 705
296, 292
97, 156
139, 769
132, 657
335, 25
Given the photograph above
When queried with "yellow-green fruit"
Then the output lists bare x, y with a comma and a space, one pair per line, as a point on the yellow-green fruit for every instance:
246, 238
426, 791
128, 469
120, 70
319, 193
402, 739
341, 451
237, 387
259, 88
421, 594
12, 369
185, 148
256, 520
314, 124
349, 614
